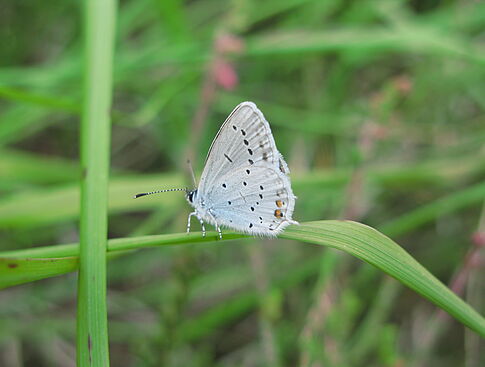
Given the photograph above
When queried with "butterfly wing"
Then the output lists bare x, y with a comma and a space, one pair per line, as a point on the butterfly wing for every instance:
244, 139
245, 183
253, 199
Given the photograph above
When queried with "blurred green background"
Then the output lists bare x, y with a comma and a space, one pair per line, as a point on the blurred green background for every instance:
378, 107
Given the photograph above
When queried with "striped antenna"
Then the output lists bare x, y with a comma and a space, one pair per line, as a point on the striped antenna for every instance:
157, 192
191, 169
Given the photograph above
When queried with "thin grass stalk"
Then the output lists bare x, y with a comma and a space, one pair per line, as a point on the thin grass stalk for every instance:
92, 325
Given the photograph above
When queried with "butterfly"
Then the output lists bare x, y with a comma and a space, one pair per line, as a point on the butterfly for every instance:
245, 184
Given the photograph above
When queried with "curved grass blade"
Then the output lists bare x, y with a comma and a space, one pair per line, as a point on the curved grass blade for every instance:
15, 271
373, 247
354, 238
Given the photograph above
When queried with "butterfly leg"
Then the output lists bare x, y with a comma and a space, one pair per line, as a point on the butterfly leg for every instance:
215, 224
202, 225
200, 220
219, 231
188, 220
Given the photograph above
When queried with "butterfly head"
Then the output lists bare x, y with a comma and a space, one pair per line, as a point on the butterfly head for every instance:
191, 195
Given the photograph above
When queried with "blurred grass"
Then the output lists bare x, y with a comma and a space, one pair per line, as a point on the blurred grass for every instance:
378, 108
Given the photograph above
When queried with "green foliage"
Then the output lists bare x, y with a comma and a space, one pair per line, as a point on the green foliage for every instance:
356, 239
378, 108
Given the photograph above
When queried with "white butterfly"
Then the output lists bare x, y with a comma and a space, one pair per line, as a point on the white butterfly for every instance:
245, 183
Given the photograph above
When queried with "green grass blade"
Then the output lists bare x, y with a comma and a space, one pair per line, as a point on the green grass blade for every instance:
373, 247
120, 244
92, 324
354, 238
19, 271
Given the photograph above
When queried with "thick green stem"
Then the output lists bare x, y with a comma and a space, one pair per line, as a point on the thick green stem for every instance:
92, 327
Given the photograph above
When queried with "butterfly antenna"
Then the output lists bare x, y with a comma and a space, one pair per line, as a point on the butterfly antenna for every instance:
192, 172
157, 192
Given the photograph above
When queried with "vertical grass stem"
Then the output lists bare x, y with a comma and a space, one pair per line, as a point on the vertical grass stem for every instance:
92, 328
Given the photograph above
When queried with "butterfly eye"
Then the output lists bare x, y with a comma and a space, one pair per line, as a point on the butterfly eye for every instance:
190, 196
